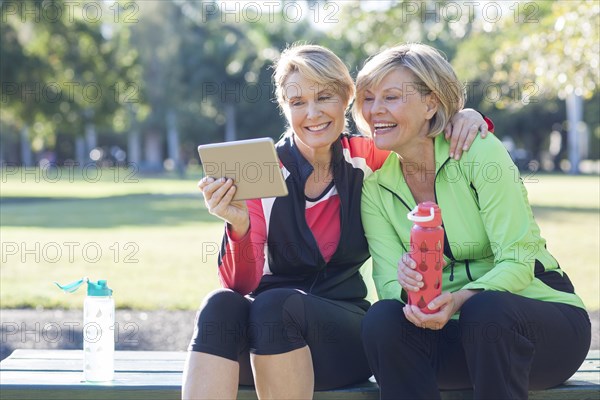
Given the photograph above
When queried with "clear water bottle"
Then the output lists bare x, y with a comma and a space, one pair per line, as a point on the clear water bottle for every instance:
98, 330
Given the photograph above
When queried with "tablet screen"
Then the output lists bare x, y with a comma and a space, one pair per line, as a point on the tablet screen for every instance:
252, 164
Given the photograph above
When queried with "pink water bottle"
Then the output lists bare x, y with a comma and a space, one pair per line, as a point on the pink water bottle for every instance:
427, 250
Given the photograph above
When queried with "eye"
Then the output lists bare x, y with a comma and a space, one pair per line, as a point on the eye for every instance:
391, 98
296, 103
369, 99
324, 97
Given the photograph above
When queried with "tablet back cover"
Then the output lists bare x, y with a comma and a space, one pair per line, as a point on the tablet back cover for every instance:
252, 164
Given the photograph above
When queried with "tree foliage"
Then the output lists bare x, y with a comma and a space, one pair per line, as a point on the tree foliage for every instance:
558, 49
520, 68
61, 70
208, 66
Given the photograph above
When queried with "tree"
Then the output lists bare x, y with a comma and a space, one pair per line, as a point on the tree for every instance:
157, 40
226, 63
64, 71
556, 48
362, 31
206, 74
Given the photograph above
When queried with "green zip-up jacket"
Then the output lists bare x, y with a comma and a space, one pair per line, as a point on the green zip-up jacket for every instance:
490, 232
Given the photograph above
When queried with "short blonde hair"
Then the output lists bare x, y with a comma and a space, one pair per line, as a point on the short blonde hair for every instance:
317, 64
432, 72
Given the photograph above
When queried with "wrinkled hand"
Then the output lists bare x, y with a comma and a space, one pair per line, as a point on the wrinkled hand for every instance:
218, 195
446, 303
408, 277
462, 130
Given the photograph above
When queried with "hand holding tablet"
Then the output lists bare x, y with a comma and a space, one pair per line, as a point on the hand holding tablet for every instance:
251, 164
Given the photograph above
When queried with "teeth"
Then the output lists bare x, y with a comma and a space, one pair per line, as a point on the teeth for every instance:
318, 127
379, 125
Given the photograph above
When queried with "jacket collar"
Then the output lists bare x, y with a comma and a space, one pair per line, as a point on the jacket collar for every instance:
390, 175
294, 161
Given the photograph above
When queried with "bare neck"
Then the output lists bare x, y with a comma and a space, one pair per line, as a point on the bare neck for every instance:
320, 158
417, 163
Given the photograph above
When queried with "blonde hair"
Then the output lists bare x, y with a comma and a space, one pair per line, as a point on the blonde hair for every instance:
432, 72
317, 64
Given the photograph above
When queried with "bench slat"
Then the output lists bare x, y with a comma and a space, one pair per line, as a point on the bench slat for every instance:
46, 364
75, 378
56, 374
130, 361
78, 354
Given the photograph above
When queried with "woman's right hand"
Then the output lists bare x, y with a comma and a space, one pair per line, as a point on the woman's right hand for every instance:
408, 277
218, 195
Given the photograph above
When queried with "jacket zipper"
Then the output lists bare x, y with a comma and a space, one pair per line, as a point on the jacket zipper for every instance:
453, 260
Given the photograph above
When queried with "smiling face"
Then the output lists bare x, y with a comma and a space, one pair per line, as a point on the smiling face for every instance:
397, 114
315, 112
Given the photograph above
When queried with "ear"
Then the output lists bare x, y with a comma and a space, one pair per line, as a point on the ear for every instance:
431, 102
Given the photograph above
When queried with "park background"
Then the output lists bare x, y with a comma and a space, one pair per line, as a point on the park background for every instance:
104, 102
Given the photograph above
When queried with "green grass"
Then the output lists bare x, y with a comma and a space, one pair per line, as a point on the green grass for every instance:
159, 245
567, 211
93, 183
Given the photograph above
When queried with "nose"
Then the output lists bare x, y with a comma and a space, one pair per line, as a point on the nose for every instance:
377, 106
313, 110
372, 108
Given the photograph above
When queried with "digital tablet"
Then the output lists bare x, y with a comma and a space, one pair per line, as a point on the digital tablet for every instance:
252, 164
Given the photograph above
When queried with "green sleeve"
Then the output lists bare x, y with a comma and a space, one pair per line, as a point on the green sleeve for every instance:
384, 244
505, 213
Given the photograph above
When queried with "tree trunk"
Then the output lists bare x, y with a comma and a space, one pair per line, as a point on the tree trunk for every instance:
153, 155
134, 147
80, 155
173, 139
26, 156
230, 127
575, 129
91, 138
173, 142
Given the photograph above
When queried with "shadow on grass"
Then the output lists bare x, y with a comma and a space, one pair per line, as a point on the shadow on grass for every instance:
137, 210
106, 212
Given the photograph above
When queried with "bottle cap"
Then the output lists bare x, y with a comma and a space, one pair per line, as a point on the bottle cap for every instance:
98, 288
426, 214
93, 289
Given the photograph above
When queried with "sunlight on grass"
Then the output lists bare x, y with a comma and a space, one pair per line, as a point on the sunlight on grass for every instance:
147, 268
567, 210
157, 246
563, 191
573, 239
92, 183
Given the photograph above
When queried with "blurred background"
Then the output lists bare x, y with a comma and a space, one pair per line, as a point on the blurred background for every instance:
145, 82
104, 102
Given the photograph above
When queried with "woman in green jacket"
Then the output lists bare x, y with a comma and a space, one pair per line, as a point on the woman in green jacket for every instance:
508, 318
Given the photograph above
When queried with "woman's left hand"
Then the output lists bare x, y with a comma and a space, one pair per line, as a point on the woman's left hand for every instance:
449, 303
462, 130
438, 320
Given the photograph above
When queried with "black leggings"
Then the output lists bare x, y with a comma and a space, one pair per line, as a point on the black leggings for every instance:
502, 346
278, 321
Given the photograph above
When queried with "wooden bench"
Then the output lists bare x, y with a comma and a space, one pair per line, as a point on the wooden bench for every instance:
149, 375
